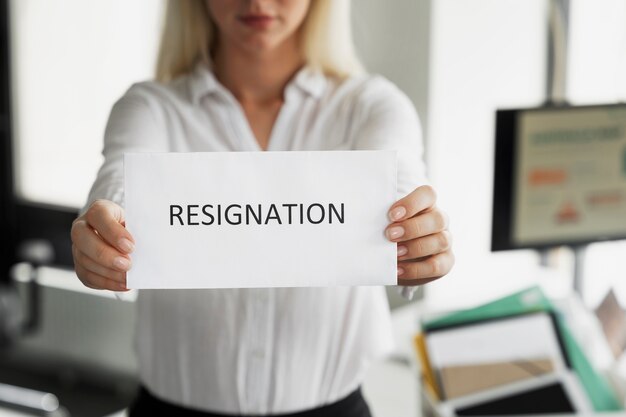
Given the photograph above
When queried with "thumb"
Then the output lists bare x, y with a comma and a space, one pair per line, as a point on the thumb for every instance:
107, 218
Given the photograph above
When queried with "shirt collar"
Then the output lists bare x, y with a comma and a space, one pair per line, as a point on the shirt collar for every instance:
203, 82
310, 80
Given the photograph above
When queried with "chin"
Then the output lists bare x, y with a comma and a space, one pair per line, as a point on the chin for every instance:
260, 43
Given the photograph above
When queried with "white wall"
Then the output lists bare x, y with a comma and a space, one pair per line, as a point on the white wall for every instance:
597, 74
393, 39
597, 55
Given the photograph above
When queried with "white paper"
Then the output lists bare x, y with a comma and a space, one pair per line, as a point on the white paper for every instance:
525, 337
344, 246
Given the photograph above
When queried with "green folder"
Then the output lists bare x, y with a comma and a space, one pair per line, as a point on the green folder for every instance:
598, 389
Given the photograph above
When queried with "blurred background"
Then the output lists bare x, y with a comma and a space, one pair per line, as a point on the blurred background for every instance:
65, 62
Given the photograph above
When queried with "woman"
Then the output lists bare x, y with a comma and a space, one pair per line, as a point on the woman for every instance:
256, 75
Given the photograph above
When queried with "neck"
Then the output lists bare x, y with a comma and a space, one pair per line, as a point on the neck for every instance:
257, 76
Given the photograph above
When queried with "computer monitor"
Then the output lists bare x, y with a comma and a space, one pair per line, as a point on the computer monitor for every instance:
7, 209
560, 176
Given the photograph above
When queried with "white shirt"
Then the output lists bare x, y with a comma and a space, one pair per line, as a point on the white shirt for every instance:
269, 350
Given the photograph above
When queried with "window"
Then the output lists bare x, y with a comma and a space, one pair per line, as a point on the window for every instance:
71, 60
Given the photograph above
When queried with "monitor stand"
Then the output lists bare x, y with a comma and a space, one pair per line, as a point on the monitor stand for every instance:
579, 268
579, 252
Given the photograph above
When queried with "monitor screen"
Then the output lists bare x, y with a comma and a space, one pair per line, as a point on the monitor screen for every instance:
560, 176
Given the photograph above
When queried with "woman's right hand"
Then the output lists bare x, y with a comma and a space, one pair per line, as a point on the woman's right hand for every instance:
101, 246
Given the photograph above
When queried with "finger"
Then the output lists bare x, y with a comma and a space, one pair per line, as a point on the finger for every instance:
107, 218
425, 246
425, 270
98, 282
412, 282
93, 246
433, 221
417, 201
91, 265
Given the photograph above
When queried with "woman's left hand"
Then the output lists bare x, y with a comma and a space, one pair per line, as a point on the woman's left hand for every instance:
424, 242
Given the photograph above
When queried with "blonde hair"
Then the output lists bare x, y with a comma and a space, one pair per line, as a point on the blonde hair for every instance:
189, 34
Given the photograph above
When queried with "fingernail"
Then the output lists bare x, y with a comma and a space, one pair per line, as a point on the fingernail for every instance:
121, 263
395, 232
126, 245
402, 250
397, 213
400, 271
122, 286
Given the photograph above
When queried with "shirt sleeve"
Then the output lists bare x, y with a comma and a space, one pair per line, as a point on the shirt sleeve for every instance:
387, 120
133, 126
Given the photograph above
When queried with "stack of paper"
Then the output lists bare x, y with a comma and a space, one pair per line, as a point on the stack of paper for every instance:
500, 351
492, 356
